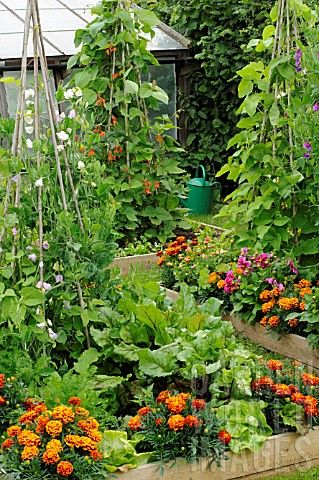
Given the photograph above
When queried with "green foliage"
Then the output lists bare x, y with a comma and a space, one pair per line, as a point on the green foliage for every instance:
246, 423
120, 452
274, 162
139, 155
218, 33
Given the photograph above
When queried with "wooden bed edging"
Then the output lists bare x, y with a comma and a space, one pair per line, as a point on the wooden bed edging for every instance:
280, 454
125, 263
289, 345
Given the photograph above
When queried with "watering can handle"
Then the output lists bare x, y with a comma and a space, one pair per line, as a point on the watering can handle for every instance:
203, 172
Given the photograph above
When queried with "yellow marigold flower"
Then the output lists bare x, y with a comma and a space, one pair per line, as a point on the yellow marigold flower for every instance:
303, 284
54, 445
14, 431
64, 414
265, 296
28, 439
288, 303
176, 422
135, 423
213, 277
54, 428
274, 321
82, 412
73, 440
266, 307
41, 423
88, 424
65, 469
263, 322
29, 452
50, 457
94, 435
305, 291
221, 284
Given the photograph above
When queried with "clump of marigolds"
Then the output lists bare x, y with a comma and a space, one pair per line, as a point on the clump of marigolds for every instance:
179, 425
55, 440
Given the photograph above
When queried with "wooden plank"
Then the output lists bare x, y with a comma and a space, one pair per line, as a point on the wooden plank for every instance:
280, 454
289, 345
125, 263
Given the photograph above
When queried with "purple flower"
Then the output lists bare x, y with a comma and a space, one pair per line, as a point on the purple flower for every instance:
262, 260
32, 257
52, 334
306, 155
45, 245
15, 178
307, 146
244, 251
315, 107
270, 280
292, 267
298, 57
72, 114
59, 278
231, 283
14, 231
43, 285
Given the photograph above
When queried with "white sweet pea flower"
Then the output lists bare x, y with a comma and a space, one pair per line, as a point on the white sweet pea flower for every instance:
68, 94
72, 114
29, 103
81, 165
29, 143
29, 93
49, 323
60, 148
39, 183
78, 92
42, 325
29, 130
52, 334
62, 136
69, 130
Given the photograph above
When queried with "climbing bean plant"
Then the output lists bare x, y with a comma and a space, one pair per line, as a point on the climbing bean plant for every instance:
275, 162
139, 155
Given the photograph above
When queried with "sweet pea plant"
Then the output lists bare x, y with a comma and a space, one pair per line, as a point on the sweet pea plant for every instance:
138, 154
275, 160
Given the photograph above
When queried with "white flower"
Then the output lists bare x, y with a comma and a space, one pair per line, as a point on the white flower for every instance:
81, 165
69, 130
29, 130
52, 334
29, 143
78, 92
29, 93
41, 264
28, 118
68, 94
72, 114
32, 257
39, 183
93, 184
60, 148
62, 136
49, 323
29, 103
62, 116
41, 325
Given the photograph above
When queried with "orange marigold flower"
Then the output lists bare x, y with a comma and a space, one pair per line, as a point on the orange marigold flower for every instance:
88, 424
163, 396
303, 284
310, 379
74, 401
265, 296
305, 291
310, 400
158, 422
54, 428
213, 278
275, 365
176, 422
73, 440
28, 453
224, 437
51, 456
221, 284
262, 382
144, 411
94, 435
64, 469
29, 439
192, 421
2, 380
276, 292
199, 404
311, 411
82, 412
87, 444
274, 321
135, 423
8, 443
264, 321
14, 431
91, 153
302, 306
298, 398
96, 455
282, 390
64, 414
293, 322
266, 307
41, 423
54, 444
176, 404
3, 401
288, 303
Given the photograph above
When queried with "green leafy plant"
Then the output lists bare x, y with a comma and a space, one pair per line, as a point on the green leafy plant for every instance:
120, 452
138, 154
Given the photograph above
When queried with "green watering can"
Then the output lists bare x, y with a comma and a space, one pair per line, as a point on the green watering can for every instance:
202, 193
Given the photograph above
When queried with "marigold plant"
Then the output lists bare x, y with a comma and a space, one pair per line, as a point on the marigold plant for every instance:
61, 442
178, 425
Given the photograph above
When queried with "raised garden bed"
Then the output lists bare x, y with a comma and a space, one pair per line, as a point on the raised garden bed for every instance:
125, 263
290, 345
280, 454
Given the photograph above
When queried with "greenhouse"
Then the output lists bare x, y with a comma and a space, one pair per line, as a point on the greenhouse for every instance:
159, 248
